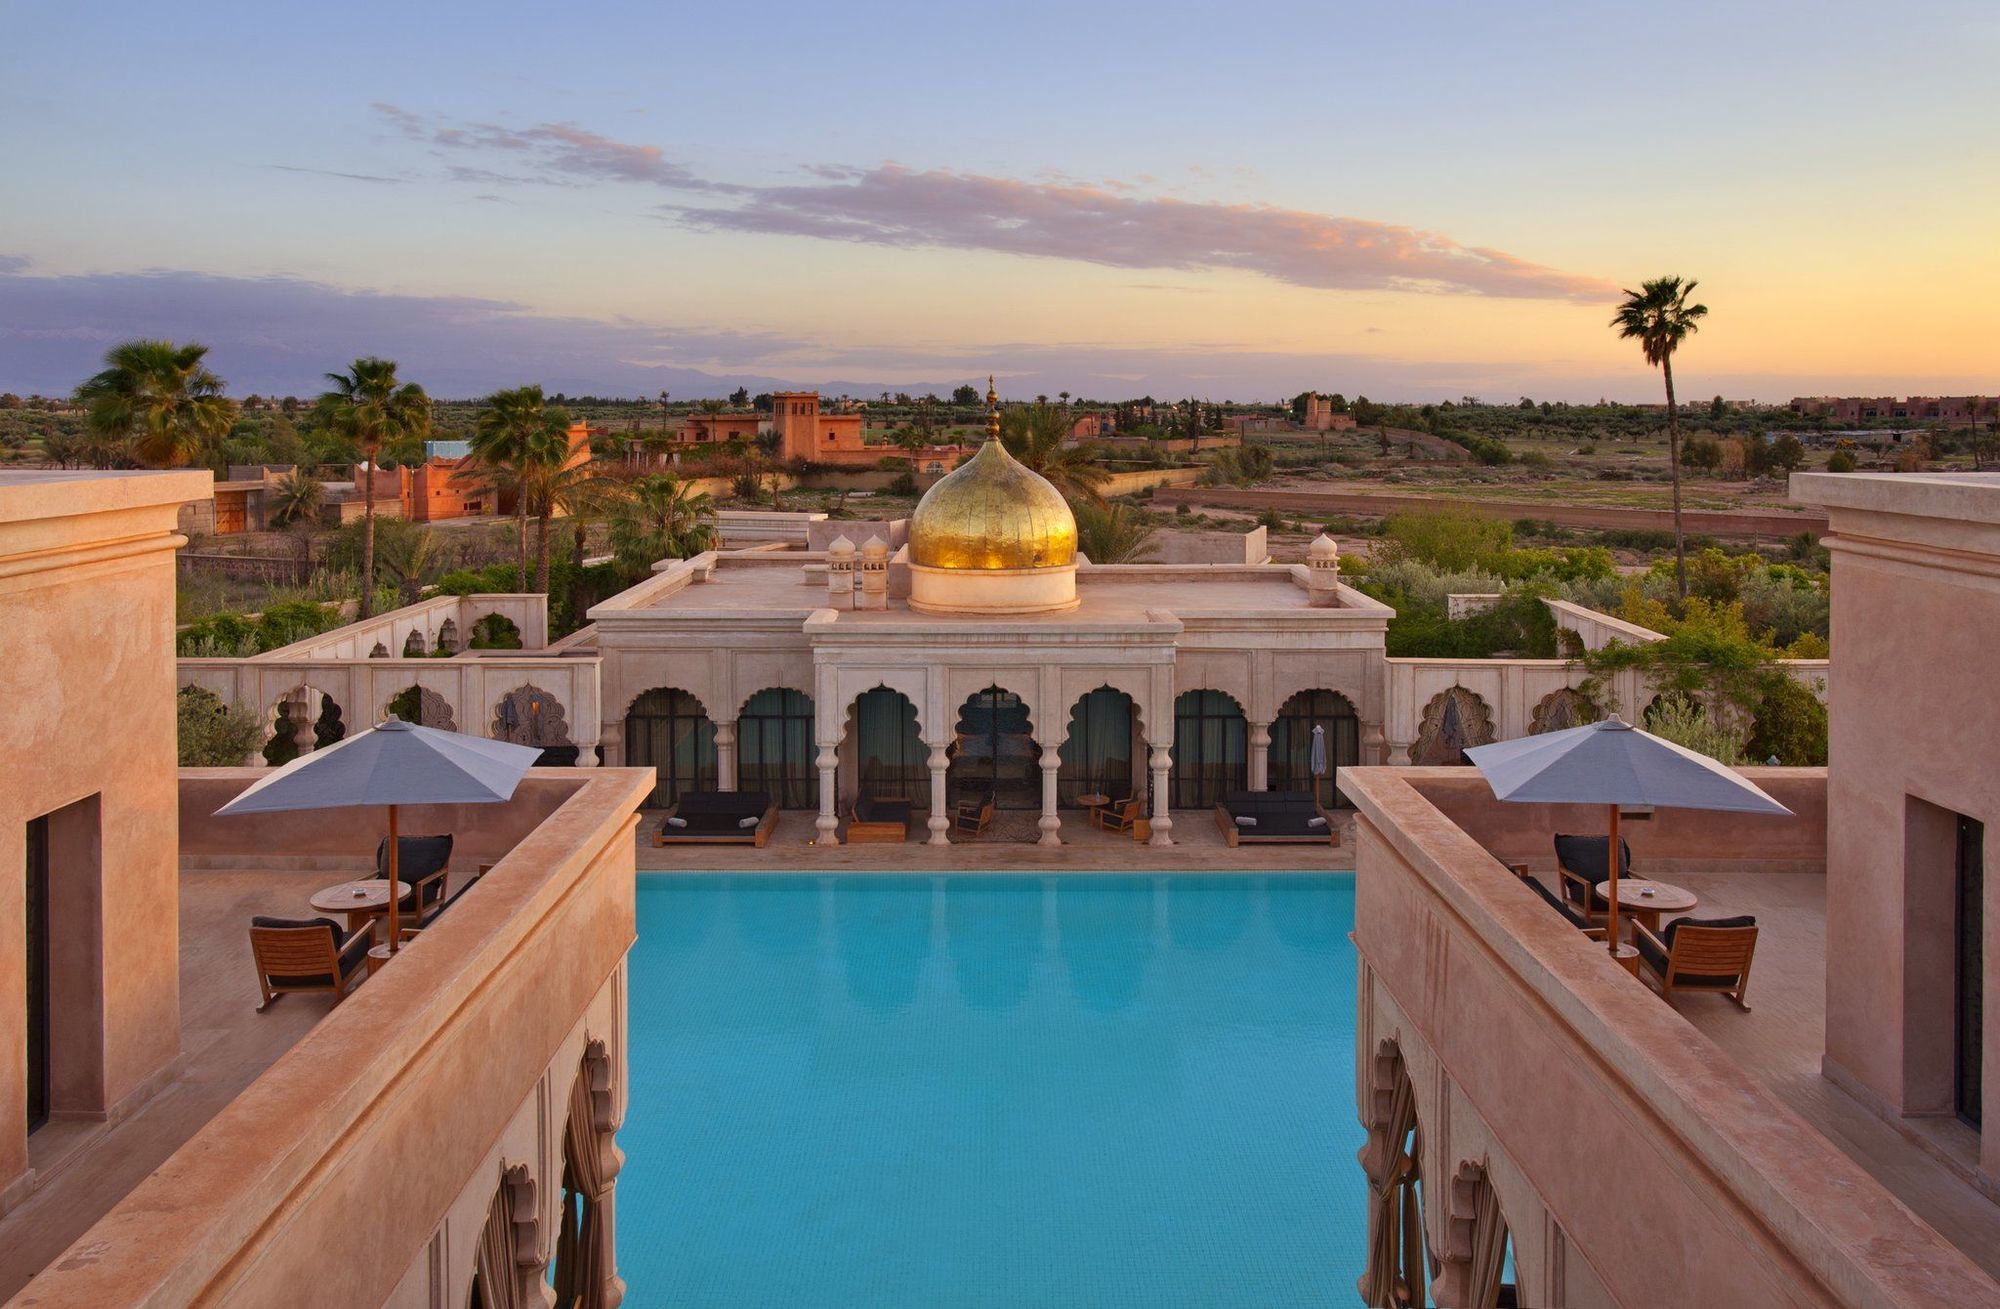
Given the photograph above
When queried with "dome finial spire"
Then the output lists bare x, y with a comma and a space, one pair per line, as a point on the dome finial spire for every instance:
992, 410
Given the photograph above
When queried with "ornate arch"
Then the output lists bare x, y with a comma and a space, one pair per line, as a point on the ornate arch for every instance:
744, 702
1454, 721
586, 1268
422, 706
1563, 708
634, 701
1397, 1272
507, 1266
1472, 1265
530, 715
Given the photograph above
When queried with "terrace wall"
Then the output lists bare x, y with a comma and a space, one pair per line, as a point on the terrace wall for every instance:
1634, 1162
358, 1170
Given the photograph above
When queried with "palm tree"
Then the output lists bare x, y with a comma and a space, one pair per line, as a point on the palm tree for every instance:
580, 492
161, 399
1038, 436
519, 439
665, 518
294, 504
1659, 317
1114, 534
368, 405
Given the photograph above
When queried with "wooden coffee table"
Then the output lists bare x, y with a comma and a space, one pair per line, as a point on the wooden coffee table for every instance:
360, 901
1644, 901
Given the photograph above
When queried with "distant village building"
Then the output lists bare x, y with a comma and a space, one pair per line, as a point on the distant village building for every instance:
1952, 410
1321, 417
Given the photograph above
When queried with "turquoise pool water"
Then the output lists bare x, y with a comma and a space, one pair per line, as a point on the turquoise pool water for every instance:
991, 1090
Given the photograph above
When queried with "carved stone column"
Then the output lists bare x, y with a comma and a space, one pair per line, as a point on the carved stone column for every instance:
828, 822
1374, 744
940, 819
1162, 822
611, 738
1051, 821
725, 755
1260, 756
1399, 751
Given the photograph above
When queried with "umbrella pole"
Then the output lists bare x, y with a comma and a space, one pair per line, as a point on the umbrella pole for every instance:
1611, 928
395, 900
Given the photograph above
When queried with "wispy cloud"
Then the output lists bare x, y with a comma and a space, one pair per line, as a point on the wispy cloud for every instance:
562, 149
896, 206
334, 172
1118, 224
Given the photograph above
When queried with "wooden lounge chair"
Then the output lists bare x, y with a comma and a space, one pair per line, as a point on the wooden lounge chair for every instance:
1274, 817
1570, 913
421, 861
720, 818
1700, 954
1118, 816
436, 911
307, 954
1584, 861
974, 816
875, 818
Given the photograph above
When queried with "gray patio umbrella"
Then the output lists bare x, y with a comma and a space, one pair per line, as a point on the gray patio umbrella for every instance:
395, 763
1317, 758
1615, 764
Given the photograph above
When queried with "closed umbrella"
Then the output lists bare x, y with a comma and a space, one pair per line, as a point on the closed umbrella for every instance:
1318, 759
1615, 764
395, 763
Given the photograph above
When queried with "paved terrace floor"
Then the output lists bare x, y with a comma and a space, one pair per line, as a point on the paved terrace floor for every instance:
225, 1045
1780, 1041
1010, 844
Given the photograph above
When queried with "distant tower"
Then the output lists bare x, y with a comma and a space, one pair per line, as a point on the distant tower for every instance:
795, 415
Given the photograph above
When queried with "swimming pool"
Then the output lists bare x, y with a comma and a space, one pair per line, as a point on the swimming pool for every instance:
963, 1089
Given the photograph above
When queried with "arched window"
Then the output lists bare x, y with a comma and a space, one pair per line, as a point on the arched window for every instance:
775, 750
996, 750
1211, 749
669, 729
1455, 720
1291, 743
889, 750
1097, 753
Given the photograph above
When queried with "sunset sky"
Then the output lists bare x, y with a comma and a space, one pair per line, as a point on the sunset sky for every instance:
1413, 201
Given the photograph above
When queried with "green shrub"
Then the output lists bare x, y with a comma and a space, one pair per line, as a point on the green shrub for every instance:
294, 620
1789, 725
211, 735
1841, 461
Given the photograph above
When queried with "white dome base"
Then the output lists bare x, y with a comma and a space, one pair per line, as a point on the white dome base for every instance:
992, 590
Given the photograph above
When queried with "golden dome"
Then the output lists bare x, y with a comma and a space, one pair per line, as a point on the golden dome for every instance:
993, 512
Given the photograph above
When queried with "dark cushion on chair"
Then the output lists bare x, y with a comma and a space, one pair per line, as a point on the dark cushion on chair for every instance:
416, 856
1590, 857
1741, 920
1557, 903
715, 813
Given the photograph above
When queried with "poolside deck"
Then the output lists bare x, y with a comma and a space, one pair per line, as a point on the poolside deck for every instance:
1010, 844
1780, 1040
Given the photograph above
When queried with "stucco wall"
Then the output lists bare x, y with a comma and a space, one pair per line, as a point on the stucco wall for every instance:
87, 710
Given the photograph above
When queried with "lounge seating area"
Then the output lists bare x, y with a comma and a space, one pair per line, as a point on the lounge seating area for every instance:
1274, 817
879, 819
973, 815
719, 818
307, 954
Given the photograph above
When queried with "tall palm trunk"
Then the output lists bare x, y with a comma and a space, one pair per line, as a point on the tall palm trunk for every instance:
1674, 466
542, 551
368, 453
521, 533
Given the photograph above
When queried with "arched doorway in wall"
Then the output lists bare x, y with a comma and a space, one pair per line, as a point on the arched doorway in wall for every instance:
1097, 754
1455, 720
775, 751
1211, 749
668, 729
889, 751
422, 706
507, 1264
996, 751
1476, 1266
1291, 743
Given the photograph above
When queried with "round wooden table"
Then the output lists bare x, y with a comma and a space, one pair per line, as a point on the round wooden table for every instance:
1646, 900
1093, 800
360, 901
